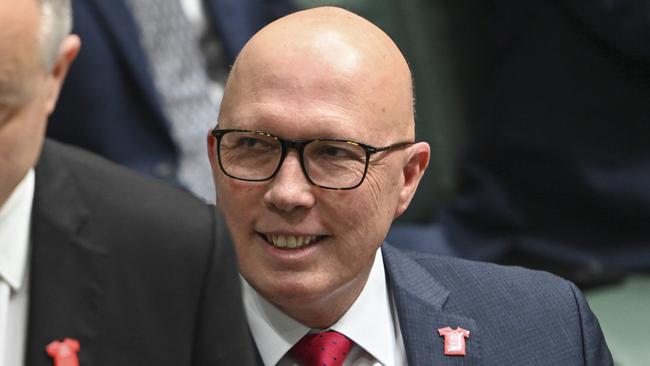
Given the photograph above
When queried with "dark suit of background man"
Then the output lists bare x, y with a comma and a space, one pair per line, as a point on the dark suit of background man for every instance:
136, 272
557, 172
313, 158
111, 103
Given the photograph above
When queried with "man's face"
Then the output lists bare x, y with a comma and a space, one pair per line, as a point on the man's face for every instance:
28, 90
298, 100
23, 104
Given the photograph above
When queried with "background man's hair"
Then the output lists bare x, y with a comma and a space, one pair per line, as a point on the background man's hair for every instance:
56, 24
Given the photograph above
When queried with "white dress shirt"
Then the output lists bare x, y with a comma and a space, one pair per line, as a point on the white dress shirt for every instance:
371, 322
15, 218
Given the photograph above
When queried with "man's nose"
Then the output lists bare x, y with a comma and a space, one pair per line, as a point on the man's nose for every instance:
289, 189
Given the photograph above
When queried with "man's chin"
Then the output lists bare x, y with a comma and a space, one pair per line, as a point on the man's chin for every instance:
290, 289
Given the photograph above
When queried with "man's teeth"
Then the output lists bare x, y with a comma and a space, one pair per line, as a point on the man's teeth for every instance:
289, 241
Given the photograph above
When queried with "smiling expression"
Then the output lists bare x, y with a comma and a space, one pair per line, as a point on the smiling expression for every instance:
307, 249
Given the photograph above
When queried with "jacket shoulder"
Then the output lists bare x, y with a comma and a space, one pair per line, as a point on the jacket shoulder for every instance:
511, 304
123, 204
500, 287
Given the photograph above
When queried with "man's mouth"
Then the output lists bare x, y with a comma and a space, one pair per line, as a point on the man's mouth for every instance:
291, 241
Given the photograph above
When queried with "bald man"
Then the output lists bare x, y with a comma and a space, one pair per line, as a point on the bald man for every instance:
313, 158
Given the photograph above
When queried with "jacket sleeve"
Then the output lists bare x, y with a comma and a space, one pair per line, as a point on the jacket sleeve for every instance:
594, 346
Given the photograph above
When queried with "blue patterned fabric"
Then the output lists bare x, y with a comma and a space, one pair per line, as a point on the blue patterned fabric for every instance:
515, 316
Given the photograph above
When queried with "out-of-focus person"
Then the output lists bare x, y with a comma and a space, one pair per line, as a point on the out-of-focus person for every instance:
98, 265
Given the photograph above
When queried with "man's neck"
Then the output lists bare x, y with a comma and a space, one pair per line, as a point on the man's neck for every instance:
325, 311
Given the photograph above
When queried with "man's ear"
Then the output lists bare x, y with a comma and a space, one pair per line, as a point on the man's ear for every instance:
212, 146
214, 164
416, 162
67, 53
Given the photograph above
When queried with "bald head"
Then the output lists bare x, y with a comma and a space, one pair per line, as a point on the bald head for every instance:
323, 52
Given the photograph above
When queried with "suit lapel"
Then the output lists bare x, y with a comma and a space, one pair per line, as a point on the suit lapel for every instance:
420, 301
121, 26
65, 272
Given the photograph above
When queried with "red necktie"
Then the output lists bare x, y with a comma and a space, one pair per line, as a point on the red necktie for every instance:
322, 349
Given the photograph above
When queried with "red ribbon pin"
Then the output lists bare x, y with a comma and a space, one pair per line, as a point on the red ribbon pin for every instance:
454, 340
64, 353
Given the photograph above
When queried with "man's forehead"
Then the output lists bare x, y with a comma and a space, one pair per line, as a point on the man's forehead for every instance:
318, 58
323, 60
297, 85
309, 125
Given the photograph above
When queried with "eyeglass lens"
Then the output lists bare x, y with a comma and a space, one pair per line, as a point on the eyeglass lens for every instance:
255, 156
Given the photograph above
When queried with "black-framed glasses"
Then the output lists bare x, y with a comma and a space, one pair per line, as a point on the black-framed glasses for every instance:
327, 163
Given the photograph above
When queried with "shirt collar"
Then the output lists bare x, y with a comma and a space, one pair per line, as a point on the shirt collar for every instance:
368, 322
15, 218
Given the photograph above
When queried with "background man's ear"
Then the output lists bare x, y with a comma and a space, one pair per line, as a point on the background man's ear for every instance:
417, 160
67, 53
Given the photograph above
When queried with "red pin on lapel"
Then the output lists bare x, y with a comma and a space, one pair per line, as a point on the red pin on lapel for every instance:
64, 353
454, 340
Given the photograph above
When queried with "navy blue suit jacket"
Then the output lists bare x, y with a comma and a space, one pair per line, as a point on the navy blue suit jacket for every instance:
109, 103
515, 316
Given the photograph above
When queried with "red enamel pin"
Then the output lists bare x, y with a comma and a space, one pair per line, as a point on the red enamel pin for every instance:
64, 353
454, 340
